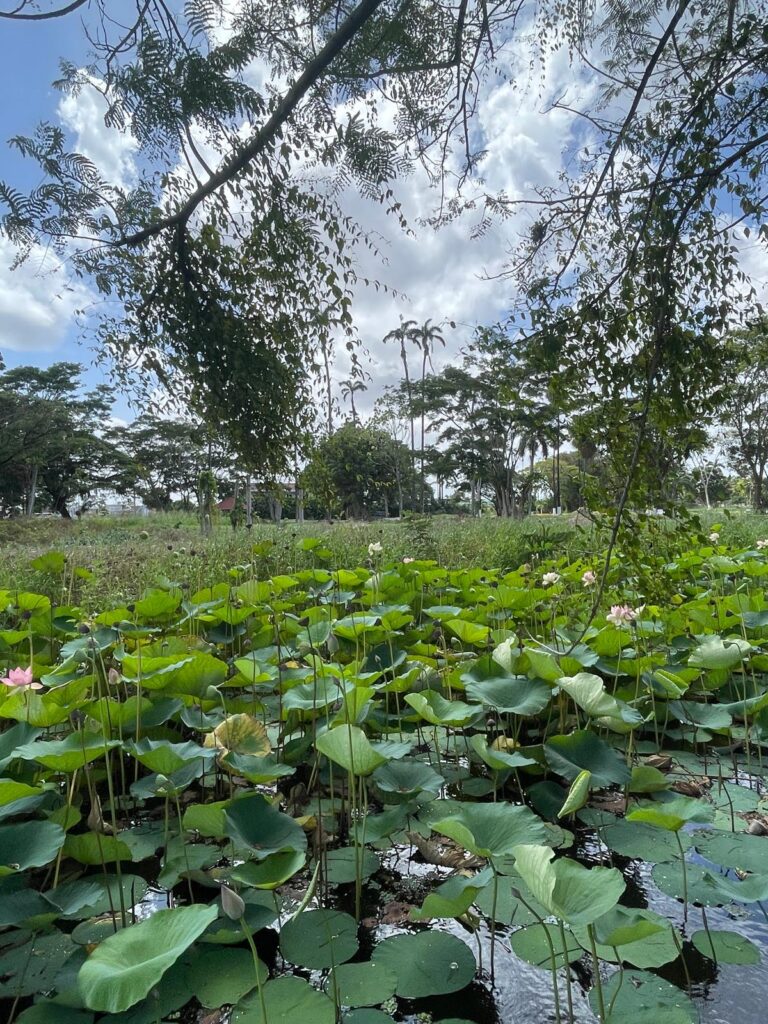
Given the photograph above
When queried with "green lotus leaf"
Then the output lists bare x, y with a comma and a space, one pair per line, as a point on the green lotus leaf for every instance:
219, 976
29, 844
578, 794
429, 963
287, 1001
402, 780
365, 984
518, 695
454, 897
583, 750
254, 822
671, 815
436, 710
69, 754
349, 747
575, 894
487, 830
122, 969
538, 943
726, 947
319, 938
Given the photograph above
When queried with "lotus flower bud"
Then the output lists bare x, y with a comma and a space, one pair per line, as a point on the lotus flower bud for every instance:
232, 904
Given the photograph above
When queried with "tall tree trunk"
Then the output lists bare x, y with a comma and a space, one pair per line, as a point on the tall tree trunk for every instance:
423, 379
299, 504
32, 491
275, 508
233, 516
386, 505
328, 392
530, 479
409, 392
248, 503
757, 491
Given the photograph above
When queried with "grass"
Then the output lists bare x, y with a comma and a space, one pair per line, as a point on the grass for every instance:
125, 555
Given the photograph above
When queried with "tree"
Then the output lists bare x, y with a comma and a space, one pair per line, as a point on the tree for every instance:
747, 411
169, 456
391, 414
228, 255
356, 470
54, 443
403, 334
425, 336
475, 410
707, 475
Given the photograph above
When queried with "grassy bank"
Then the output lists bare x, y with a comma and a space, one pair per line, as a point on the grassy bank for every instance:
121, 556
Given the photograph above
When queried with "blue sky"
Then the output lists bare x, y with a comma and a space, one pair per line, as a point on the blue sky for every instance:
445, 275
29, 63
442, 276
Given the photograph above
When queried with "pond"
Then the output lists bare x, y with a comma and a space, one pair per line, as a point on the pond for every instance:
393, 792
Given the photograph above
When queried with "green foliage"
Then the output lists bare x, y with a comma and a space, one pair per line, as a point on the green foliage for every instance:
356, 469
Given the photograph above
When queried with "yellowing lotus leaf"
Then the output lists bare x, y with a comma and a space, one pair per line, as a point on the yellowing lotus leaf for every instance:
240, 734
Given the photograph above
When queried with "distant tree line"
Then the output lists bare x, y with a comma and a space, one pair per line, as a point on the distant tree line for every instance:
500, 428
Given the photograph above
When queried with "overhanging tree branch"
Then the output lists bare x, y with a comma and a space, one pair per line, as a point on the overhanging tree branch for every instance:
269, 131
44, 15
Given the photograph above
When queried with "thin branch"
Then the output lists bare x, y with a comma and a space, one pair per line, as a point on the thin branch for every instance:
45, 15
269, 131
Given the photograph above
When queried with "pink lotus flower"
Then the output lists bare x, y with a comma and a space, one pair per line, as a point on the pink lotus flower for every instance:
589, 579
21, 679
621, 614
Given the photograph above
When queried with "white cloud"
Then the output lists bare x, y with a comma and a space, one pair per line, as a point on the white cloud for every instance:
447, 275
111, 150
37, 301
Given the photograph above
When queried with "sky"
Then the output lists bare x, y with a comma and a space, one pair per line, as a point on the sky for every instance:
444, 275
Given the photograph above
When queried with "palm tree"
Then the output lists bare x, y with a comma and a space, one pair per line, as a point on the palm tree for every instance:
425, 337
403, 334
349, 389
535, 426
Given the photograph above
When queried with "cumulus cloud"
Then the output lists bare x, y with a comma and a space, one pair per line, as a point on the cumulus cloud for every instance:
449, 274
38, 302
111, 150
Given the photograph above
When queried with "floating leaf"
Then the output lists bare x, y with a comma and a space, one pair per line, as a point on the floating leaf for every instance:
288, 1000
319, 938
643, 998
429, 963
365, 984
726, 947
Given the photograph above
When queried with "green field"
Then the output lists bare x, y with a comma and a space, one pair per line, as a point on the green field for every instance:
124, 555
